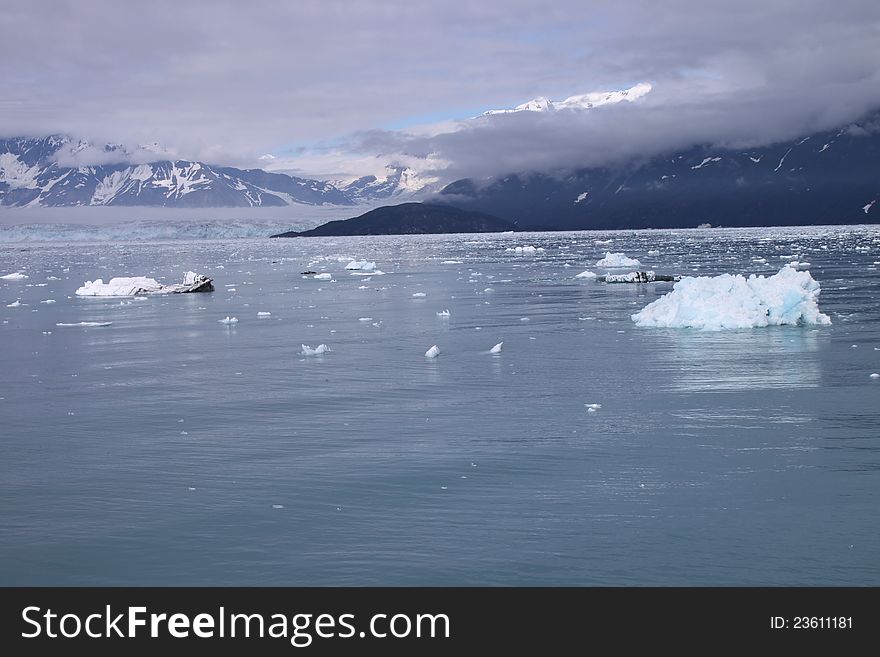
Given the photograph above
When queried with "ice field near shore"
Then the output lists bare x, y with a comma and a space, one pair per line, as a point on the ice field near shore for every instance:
356, 425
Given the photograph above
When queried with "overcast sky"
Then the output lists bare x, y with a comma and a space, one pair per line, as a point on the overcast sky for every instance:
340, 88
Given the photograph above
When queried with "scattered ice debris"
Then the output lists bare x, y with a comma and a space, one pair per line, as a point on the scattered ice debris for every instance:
361, 265
322, 277
365, 319
228, 320
132, 286
419, 295
592, 408
83, 324
496, 349
617, 260
15, 276
317, 351
14, 304
264, 314
443, 313
433, 352
519, 250
735, 302
587, 274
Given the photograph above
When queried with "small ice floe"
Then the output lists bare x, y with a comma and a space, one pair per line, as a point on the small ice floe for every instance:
419, 295
14, 304
496, 349
83, 324
520, 250
489, 289
653, 253
365, 319
592, 408
789, 297
322, 277
524, 319
874, 376
617, 260
760, 261
15, 276
590, 275
450, 262
48, 301
139, 285
433, 352
361, 265
317, 351
52, 278
443, 313
228, 320
277, 506
264, 314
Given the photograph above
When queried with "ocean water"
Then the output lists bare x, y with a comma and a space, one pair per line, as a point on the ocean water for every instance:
168, 448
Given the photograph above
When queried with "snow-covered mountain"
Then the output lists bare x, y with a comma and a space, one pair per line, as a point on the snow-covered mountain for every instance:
33, 173
578, 102
399, 183
830, 177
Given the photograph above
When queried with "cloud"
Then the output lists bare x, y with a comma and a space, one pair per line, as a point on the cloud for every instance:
314, 82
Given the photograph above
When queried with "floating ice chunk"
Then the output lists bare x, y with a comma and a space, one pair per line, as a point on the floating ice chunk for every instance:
496, 349
601, 242
587, 274
361, 265
14, 304
593, 407
614, 260
653, 253
375, 272
277, 506
16, 276
228, 320
875, 376
450, 262
489, 289
519, 250
322, 277
735, 302
48, 301
264, 314
433, 352
419, 295
83, 324
317, 351
443, 313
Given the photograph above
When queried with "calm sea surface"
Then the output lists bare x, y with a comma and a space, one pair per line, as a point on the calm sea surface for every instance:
168, 448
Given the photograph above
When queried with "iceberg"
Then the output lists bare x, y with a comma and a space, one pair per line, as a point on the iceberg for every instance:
433, 352
717, 303
496, 349
228, 320
137, 285
443, 313
16, 276
317, 351
617, 260
361, 265
322, 277
587, 274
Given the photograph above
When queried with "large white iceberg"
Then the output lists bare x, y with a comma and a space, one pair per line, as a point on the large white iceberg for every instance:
616, 260
361, 265
129, 287
736, 302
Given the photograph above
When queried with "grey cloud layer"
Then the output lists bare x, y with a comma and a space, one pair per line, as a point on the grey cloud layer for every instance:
226, 81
